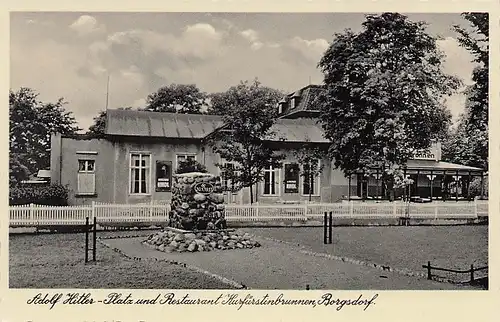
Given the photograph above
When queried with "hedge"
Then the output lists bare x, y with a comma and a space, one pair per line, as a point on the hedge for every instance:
53, 195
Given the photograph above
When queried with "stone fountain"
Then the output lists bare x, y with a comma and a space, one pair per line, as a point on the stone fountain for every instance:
197, 202
196, 219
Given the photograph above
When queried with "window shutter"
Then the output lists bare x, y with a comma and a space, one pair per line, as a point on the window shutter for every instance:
86, 183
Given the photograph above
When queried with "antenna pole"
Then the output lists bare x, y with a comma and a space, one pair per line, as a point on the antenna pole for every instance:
107, 94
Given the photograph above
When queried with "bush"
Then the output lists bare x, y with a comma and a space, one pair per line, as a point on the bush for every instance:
190, 166
475, 187
53, 195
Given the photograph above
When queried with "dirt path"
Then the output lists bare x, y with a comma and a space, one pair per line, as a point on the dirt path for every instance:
281, 266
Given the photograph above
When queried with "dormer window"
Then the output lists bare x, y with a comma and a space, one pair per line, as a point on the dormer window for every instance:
294, 99
281, 106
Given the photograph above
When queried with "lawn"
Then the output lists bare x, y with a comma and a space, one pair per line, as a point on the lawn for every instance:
455, 247
57, 261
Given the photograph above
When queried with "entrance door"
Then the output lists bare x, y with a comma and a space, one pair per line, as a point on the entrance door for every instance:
231, 192
414, 186
361, 186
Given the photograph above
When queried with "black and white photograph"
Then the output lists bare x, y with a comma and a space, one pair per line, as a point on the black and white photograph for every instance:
249, 150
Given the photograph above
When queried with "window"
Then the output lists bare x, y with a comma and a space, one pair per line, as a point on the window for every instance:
291, 178
310, 185
361, 185
271, 182
139, 173
86, 177
163, 175
184, 157
226, 170
292, 103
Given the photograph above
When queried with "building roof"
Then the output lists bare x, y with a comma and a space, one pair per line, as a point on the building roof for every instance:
438, 165
305, 100
298, 130
156, 124
198, 126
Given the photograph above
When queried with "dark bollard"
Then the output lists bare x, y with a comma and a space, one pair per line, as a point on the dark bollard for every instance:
94, 240
325, 221
86, 239
330, 222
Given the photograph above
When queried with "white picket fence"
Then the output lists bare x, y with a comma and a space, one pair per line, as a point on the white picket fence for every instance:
37, 215
265, 212
357, 210
151, 213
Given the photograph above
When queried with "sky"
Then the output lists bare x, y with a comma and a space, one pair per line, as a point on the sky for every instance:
71, 54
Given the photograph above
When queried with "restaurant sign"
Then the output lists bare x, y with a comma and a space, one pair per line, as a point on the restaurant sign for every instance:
204, 188
433, 153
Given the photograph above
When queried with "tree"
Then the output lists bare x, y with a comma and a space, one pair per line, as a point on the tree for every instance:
310, 156
461, 147
219, 102
190, 165
31, 124
383, 98
99, 126
177, 98
473, 127
244, 141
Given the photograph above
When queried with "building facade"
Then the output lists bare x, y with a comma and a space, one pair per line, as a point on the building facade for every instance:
135, 160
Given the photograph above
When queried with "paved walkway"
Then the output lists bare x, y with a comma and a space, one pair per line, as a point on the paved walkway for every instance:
281, 266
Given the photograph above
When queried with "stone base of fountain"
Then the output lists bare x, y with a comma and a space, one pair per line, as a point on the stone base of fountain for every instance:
179, 240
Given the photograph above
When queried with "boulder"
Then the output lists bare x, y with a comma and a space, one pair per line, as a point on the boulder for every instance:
179, 237
200, 242
199, 197
192, 247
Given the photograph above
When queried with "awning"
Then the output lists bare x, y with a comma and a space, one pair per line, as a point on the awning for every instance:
426, 167
440, 167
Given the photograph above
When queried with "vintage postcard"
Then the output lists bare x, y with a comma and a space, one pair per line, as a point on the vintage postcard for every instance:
250, 160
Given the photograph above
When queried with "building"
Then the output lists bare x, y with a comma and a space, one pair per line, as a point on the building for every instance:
135, 159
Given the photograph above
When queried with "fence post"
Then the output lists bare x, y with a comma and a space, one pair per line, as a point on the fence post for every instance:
32, 209
436, 211
151, 211
351, 210
429, 274
93, 210
305, 211
471, 273
475, 208
257, 211
394, 209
